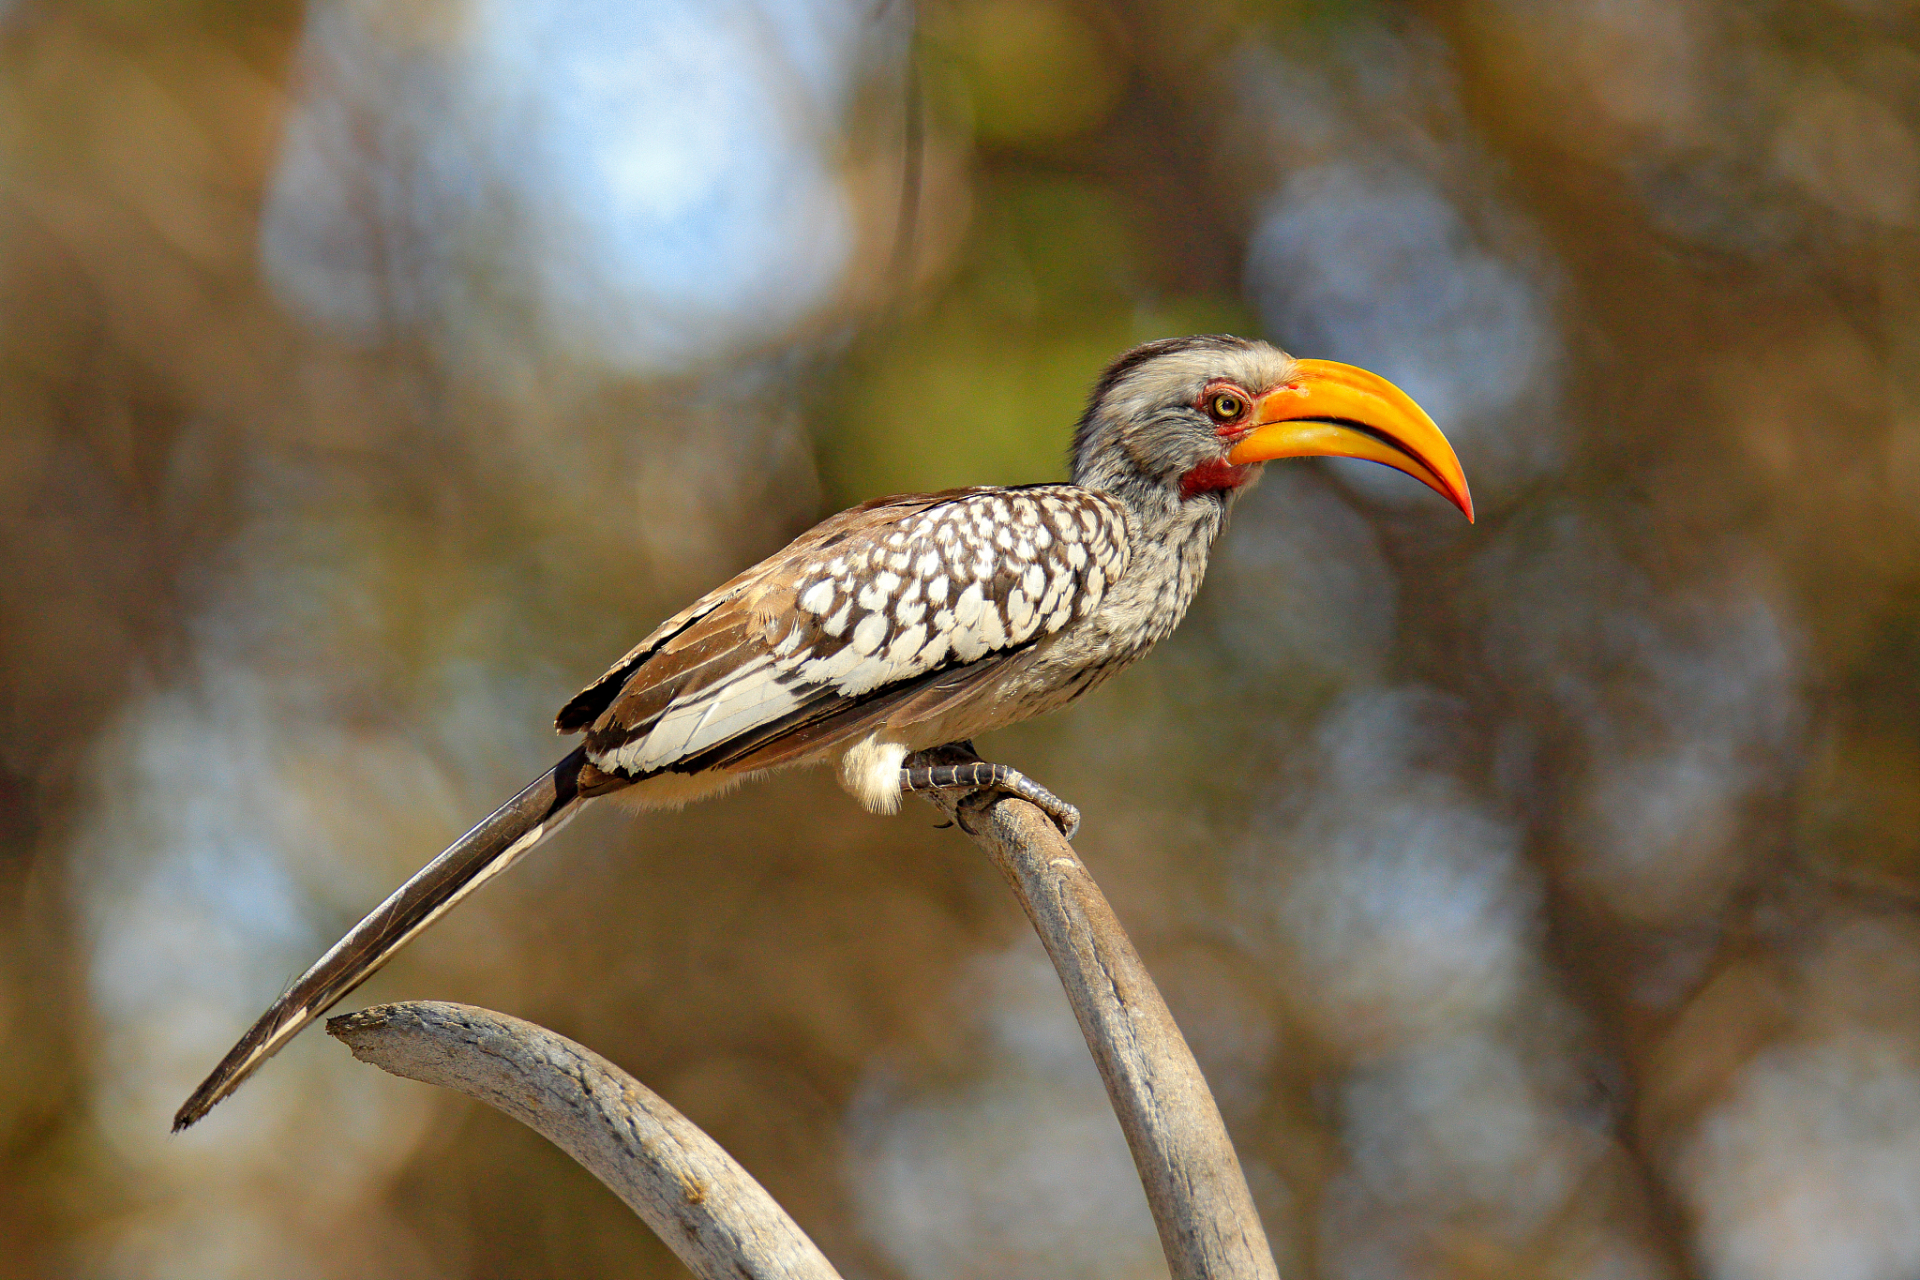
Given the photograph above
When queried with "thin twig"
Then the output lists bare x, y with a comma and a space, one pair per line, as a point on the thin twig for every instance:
697, 1199
1208, 1225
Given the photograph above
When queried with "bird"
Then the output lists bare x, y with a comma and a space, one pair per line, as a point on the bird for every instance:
911, 623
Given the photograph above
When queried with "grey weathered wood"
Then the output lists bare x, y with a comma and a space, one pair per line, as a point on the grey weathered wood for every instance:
721, 1222
1208, 1225
696, 1198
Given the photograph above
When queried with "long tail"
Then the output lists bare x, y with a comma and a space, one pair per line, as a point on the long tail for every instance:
484, 852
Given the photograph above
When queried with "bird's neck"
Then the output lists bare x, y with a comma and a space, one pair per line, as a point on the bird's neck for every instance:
1170, 539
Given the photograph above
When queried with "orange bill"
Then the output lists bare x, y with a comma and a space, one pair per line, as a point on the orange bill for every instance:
1337, 411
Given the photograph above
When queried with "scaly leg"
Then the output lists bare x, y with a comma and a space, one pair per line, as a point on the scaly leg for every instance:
978, 775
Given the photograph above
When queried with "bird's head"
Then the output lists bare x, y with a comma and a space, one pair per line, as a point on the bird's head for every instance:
1191, 420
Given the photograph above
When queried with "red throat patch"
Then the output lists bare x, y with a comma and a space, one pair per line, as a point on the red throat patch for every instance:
1212, 476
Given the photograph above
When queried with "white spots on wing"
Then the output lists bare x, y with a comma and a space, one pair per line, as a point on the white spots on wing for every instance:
906, 644
1019, 615
976, 575
831, 669
967, 644
867, 674
967, 608
1059, 597
873, 596
817, 598
992, 630
1045, 605
868, 635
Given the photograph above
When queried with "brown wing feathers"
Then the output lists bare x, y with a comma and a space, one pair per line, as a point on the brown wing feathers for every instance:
593, 702
900, 607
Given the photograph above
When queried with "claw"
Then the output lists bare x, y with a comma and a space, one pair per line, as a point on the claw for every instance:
979, 780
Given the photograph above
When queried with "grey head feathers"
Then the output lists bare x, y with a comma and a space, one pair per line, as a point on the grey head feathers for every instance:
1142, 430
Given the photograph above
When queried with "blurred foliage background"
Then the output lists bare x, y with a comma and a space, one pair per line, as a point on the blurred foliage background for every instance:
1539, 896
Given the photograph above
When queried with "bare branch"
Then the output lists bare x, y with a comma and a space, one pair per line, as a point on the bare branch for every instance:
706, 1208
1208, 1225
721, 1222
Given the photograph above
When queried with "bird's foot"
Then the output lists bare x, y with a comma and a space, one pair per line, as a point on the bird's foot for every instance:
978, 775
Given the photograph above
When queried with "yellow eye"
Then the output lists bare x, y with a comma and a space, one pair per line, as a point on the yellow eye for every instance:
1226, 406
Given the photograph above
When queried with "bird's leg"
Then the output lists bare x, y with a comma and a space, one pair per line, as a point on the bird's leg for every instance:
956, 768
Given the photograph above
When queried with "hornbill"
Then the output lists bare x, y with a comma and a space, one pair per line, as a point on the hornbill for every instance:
917, 621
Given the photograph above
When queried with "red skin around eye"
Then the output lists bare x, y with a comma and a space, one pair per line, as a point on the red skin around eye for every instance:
1217, 474
1236, 425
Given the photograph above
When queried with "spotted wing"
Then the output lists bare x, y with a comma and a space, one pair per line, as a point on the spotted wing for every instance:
907, 603
680, 653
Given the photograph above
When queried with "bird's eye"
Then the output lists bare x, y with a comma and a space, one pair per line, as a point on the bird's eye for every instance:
1226, 406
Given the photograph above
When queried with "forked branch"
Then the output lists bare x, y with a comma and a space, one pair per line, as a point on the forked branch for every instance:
721, 1222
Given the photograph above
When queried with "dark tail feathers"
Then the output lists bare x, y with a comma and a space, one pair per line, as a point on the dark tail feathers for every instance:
490, 848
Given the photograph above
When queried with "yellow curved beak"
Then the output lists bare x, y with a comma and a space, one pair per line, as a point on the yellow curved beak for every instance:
1337, 411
